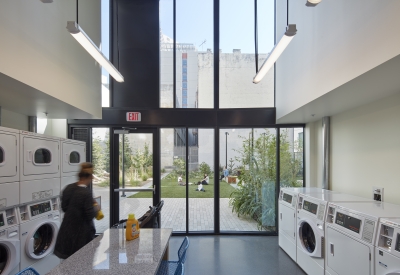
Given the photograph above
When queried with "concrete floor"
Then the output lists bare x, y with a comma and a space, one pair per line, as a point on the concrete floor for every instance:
229, 255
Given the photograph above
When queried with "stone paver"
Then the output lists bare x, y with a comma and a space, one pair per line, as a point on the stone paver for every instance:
173, 214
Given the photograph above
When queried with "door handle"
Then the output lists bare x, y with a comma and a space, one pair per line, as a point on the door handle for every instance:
332, 249
29, 156
281, 216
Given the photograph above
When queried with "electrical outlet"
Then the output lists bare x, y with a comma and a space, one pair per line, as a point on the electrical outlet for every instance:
377, 193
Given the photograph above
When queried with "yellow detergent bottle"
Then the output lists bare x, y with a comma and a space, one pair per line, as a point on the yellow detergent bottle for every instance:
132, 228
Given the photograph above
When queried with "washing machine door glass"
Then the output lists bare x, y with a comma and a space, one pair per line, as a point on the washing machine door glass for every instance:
42, 239
307, 237
4, 258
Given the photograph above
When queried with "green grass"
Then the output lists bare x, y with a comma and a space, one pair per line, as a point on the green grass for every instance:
171, 189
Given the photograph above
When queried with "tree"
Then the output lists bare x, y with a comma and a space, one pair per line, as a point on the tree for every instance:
255, 196
97, 156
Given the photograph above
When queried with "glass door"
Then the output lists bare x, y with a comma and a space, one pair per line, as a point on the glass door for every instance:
134, 164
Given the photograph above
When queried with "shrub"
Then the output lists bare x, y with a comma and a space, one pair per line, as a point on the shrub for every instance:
145, 177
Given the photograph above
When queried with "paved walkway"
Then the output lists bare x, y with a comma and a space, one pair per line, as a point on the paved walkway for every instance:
201, 214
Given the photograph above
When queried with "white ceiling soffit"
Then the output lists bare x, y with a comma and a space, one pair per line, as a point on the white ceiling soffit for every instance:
380, 82
23, 99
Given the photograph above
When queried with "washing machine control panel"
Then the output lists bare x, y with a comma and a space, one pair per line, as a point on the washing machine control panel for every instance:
287, 198
348, 222
310, 207
40, 208
1, 220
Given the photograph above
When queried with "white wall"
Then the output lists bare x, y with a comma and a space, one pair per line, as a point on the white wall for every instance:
56, 128
14, 120
336, 42
365, 150
36, 49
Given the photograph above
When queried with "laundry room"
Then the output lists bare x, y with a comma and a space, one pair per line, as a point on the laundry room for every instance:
284, 114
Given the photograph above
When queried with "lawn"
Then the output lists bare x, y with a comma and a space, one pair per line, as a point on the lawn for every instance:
171, 189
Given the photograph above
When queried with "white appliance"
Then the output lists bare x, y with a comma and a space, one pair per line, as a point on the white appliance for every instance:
73, 153
350, 234
287, 209
39, 156
9, 242
40, 222
310, 228
387, 251
9, 155
9, 163
36, 190
9, 194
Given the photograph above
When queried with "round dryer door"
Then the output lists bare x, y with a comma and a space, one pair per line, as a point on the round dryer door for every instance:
41, 241
310, 238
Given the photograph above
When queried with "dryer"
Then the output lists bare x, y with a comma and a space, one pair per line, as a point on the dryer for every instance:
9, 194
40, 223
73, 153
9, 242
387, 251
350, 235
310, 229
39, 156
287, 209
9, 155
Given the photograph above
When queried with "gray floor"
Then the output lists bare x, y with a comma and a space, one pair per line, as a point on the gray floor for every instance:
242, 255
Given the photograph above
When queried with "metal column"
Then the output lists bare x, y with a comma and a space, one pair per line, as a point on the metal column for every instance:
32, 124
325, 151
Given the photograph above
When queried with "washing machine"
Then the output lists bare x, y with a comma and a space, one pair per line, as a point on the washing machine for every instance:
9, 242
311, 228
287, 209
350, 235
39, 226
387, 251
9, 155
39, 156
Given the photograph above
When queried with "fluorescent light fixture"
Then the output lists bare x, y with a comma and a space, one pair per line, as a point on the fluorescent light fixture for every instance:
83, 39
312, 3
47, 1
276, 52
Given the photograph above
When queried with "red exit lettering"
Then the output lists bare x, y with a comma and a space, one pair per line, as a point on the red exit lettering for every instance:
133, 116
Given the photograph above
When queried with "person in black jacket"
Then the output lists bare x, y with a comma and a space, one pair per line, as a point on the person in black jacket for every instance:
77, 229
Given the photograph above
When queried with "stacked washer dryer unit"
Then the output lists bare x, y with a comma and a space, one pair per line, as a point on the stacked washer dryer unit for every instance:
387, 251
287, 209
351, 232
311, 229
9, 199
39, 200
73, 153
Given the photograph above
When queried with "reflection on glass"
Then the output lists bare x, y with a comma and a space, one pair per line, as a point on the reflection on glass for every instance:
291, 157
201, 179
101, 180
135, 170
237, 55
173, 167
247, 194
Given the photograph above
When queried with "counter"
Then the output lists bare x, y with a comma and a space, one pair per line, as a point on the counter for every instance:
110, 253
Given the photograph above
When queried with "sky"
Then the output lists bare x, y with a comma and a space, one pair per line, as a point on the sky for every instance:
195, 23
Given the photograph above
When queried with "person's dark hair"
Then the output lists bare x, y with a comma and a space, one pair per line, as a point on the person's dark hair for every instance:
86, 170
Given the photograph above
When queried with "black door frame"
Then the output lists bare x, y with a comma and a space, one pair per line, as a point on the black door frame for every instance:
114, 168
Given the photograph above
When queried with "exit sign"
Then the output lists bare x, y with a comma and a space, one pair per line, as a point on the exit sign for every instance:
133, 116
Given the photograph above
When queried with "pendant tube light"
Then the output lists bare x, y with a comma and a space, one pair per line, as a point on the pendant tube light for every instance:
276, 52
76, 31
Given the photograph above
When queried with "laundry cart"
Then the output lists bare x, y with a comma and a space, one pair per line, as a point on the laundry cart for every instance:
9, 172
